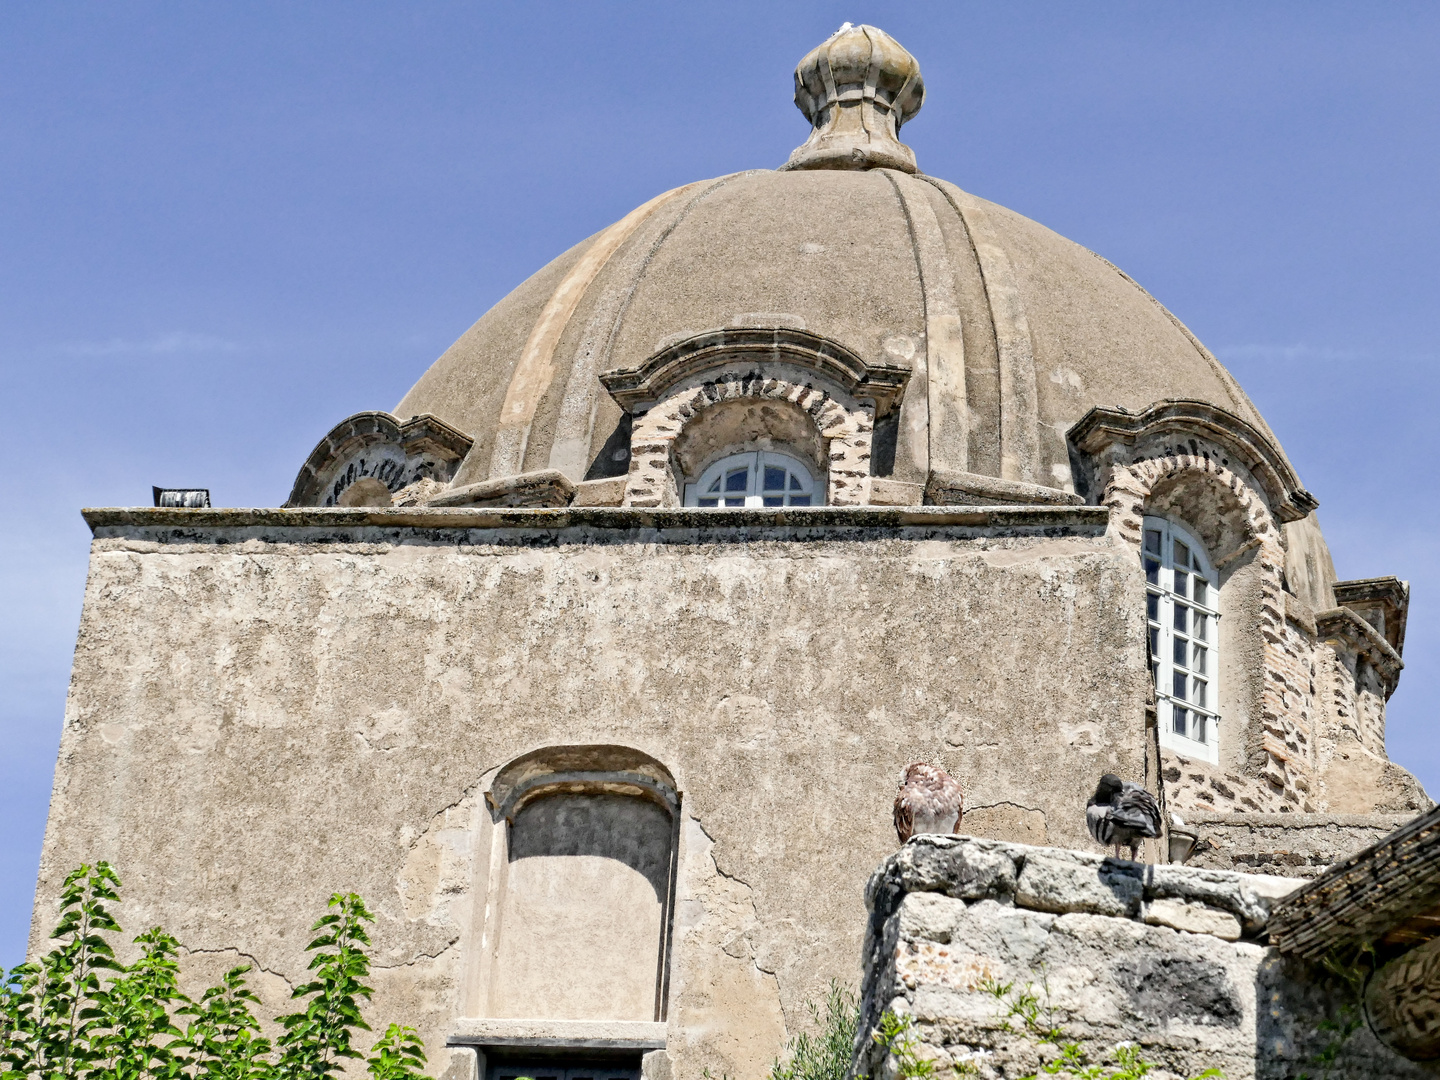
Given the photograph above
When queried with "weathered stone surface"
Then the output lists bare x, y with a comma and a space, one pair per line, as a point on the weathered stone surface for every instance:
1291, 845
964, 868
1067, 885
1192, 918
353, 680
1169, 976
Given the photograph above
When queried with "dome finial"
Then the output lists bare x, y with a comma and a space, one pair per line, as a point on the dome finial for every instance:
857, 88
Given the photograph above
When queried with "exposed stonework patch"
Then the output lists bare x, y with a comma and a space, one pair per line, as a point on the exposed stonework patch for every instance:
845, 426
948, 923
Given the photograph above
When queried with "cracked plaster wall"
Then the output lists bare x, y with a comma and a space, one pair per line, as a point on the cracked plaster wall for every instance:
259, 719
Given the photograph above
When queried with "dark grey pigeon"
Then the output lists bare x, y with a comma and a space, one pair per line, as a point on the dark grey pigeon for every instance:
1122, 813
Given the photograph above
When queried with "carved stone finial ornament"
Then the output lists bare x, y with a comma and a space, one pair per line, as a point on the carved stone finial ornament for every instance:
857, 88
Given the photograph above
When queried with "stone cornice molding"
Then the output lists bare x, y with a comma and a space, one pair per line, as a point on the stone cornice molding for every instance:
174, 525
1103, 428
634, 387
585, 767
424, 434
947, 487
544, 487
1342, 628
1389, 594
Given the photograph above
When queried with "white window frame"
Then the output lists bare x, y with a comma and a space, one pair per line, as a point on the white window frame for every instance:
800, 489
1187, 694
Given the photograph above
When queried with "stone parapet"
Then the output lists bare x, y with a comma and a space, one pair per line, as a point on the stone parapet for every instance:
1170, 959
1294, 845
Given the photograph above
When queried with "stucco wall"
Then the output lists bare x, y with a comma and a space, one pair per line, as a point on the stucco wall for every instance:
270, 706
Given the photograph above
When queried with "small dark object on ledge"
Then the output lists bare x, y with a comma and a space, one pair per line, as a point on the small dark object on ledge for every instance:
182, 498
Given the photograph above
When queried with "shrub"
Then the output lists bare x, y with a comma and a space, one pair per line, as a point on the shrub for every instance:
825, 1055
79, 1014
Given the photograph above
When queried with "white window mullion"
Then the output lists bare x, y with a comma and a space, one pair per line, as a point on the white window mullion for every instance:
1182, 634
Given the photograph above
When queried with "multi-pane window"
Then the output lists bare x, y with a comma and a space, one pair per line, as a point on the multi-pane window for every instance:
756, 478
1181, 596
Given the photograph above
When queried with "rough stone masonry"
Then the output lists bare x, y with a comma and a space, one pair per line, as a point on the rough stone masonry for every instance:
1170, 958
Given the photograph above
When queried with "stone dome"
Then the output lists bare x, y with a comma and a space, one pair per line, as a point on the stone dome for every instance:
1017, 330
1012, 331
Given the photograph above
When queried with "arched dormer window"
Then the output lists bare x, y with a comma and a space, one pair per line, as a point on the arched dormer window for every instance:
1181, 608
755, 478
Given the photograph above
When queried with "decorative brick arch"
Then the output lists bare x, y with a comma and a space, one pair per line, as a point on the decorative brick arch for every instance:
1280, 759
844, 426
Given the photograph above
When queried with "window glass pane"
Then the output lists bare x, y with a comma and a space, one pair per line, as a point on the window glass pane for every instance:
1200, 587
1182, 584
1198, 728
795, 484
1197, 659
735, 502
1152, 606
1202, 626
709, 502
1152, 542
1180, 644
1197, 692
1181, 614
1152, 571
1177, 722
1154, 641
774, 478
1177, 681
1155, 675
1182, 554
736, 479
716, 485
774, 500
799, 500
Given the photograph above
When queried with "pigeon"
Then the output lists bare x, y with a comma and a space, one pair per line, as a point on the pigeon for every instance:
929, 801
1122, 814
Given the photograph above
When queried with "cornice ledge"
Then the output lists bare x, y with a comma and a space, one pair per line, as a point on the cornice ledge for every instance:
948, 487
1341, 626
420, 434
544, 487
188, 525
634, 387
1104, 427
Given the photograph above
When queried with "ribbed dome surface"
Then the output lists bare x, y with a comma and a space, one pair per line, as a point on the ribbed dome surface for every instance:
854, 256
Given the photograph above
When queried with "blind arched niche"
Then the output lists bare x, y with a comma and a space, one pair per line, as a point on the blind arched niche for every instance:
581, 928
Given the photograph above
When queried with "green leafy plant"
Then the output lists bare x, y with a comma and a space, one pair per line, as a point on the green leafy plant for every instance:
1037, 1022
78, 1014
897, 1036
825, 1055
1352, 965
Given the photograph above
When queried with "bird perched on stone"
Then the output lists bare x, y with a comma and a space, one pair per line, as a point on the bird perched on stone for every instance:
1122, 813
929, 801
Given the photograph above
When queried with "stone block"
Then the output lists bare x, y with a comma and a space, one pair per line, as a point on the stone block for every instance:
608, 492
1192, 918
956, 866
1063, 886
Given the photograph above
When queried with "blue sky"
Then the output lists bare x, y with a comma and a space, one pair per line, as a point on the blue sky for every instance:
224, 228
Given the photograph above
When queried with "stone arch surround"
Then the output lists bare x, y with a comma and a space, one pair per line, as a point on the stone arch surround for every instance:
846, 427
1278, 767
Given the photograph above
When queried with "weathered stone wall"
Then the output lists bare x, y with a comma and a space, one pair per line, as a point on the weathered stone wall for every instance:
1169, 958
268, 706
1291, 845
1302, 725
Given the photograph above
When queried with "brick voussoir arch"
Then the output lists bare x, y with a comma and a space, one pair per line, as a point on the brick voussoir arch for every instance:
846, 429
1128, 490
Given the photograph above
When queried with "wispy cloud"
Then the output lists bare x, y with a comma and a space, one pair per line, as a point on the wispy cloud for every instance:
172, 343
1287, 353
